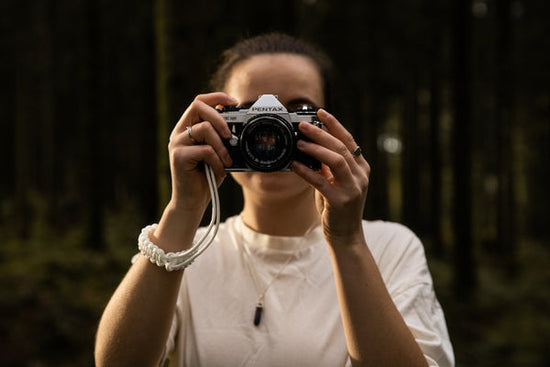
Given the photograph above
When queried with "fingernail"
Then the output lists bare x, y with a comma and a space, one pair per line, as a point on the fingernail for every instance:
227, 133
304, 125
228, 161
295, 165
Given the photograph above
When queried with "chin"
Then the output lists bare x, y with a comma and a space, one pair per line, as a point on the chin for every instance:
276, 180
277, 183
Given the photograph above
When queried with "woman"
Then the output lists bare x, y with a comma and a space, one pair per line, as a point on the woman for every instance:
298, 279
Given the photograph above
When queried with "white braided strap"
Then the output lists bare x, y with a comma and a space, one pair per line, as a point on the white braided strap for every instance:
170, 261
179, 260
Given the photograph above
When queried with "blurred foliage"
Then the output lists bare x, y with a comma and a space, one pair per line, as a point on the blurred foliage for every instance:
54, 290
506, 323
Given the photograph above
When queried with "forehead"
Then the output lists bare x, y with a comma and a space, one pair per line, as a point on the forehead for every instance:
286, 75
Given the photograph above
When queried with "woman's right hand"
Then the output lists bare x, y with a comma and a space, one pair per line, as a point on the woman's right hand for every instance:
208, 127
188, 152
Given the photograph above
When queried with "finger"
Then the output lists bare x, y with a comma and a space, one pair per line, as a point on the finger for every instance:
338, 163
336, 129
320, 180
204, 133
189, 157
336, 142
314, 178
217, 98
202, 109
325, 139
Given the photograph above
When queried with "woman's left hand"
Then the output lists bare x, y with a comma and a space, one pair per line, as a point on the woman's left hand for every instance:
342, 182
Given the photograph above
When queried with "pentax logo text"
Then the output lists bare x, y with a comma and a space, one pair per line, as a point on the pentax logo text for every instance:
267, 109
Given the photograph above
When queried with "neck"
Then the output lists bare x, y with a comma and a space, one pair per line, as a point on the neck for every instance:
291, 217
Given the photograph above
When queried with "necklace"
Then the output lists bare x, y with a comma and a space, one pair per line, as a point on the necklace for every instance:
254, 273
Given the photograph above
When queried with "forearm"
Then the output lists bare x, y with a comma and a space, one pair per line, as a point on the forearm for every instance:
136, 322
376, 333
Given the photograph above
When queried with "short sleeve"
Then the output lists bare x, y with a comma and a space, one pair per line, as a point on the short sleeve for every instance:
425, 319
400, 256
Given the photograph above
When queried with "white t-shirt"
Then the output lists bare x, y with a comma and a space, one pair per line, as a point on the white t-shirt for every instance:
300, 323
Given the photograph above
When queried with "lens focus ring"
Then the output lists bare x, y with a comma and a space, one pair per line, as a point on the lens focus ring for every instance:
267, 143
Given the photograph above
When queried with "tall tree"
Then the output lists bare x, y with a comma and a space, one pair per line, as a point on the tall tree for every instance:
504, 90
435, 75
374, 100
27, 74
462, 150
162, 36
410, 156
94, 126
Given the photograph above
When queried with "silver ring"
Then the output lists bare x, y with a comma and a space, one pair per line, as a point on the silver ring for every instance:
189, 133
357, 152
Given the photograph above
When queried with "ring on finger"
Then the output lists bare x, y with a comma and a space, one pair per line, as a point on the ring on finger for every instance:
357, 152
190, 135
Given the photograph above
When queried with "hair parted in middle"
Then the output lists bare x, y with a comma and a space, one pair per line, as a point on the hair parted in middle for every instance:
273, 43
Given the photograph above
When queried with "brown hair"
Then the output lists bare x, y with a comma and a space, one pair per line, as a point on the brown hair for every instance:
273, 43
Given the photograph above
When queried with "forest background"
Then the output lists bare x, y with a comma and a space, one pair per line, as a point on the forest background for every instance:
449, 99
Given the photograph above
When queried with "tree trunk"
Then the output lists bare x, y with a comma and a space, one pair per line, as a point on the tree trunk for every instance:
436, 183
94, 124
410, 158
372, 115
462, 151
506, 229
161, 25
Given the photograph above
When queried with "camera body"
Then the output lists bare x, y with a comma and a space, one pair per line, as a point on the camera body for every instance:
264, 136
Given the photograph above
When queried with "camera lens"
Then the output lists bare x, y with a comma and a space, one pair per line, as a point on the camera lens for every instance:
267, 143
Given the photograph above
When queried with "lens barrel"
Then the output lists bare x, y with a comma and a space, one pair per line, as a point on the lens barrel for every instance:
267, 143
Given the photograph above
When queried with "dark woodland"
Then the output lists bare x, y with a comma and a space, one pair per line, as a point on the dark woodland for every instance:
450, 100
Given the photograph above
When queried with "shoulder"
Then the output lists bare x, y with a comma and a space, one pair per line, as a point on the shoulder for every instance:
387, 230
398, 252
382, 236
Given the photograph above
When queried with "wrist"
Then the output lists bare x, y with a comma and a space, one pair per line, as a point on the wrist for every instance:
176, 229
191, 201
345, 238
169, 260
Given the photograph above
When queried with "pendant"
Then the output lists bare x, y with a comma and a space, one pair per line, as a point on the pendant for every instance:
258, 314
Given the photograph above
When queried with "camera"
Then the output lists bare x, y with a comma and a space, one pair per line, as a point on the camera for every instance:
264, 136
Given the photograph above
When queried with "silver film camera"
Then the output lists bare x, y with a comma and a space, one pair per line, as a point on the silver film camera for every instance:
264, 136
